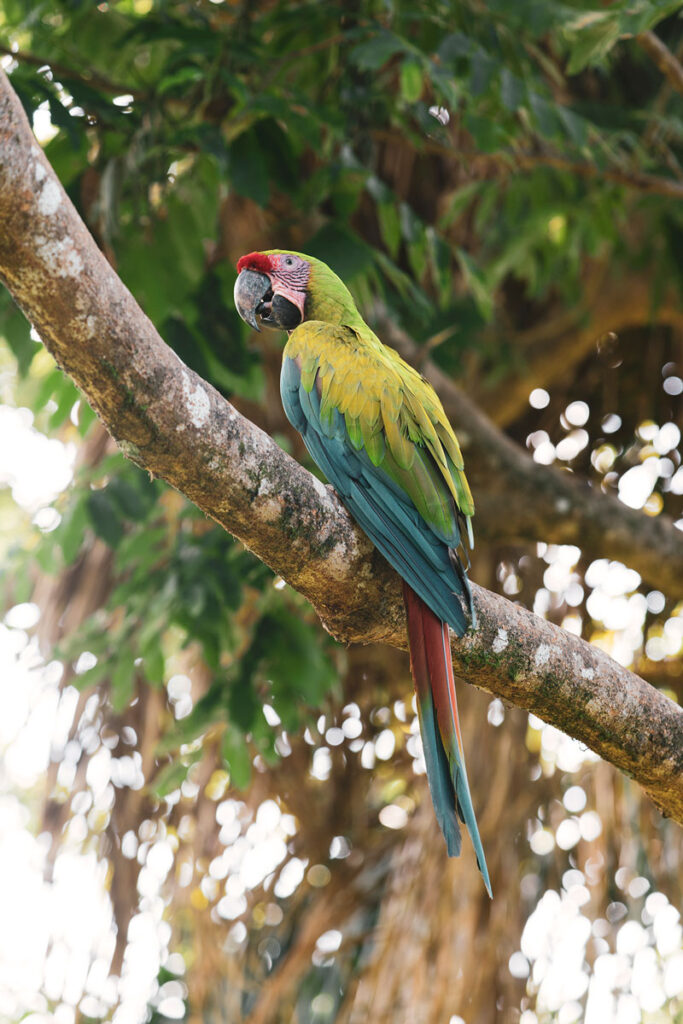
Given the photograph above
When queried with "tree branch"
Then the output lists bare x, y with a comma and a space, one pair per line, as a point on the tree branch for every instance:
666, 61
549, 354
653, 184
63, 72
505, 163
168, 420
549, 505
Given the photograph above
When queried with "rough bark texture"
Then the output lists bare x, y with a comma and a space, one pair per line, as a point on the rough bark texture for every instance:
168, 420
587, 694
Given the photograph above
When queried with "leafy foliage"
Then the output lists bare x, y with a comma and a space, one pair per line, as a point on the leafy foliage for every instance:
181, 582
179, 105
470, 170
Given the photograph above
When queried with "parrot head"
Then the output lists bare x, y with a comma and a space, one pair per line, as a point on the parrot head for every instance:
280, 289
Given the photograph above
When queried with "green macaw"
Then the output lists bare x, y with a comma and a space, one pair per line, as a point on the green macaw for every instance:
379, 433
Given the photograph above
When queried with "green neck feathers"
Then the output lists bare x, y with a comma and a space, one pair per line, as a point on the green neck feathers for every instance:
328, 297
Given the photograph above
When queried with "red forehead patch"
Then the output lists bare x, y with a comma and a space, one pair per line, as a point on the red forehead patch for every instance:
255, 261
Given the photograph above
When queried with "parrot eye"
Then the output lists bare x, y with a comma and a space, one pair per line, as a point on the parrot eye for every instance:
289, 262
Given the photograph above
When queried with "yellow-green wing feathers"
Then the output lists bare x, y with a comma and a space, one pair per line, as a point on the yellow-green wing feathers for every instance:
390, 411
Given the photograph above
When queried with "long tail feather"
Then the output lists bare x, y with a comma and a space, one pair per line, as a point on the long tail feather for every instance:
432, 668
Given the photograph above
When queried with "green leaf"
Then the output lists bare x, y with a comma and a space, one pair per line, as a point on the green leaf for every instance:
591, 37
459, 202
66, 395
70, 532
122, 682
243, 704
575, 126
16, 330
390, 227
154, 663
417, 252
128, 499
512, 90
170, 778
639, 17
247, 168
236, 755
67, 156
445, 85
104, 518
91, 677
180, 81
482, 72
346, 253
477, 285
454, 46
546, 115
46, 557
295, 663
410, 223
174, 245
376, 51
140, 549
213, 709
86, 418
593, 34
404, 285
411, 81
48, 386
441, 268
488, 136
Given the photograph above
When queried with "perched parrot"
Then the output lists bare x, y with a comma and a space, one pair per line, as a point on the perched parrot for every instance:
380, 435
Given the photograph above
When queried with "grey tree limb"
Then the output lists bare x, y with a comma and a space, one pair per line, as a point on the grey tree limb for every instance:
561, 504
170, 421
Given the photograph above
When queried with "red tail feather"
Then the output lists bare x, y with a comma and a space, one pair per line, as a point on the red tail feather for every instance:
430, 636
432, 668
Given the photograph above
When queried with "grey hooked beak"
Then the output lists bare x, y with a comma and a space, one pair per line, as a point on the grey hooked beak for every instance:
253, 294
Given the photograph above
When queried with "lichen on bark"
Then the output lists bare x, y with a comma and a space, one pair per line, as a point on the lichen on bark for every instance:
221, 461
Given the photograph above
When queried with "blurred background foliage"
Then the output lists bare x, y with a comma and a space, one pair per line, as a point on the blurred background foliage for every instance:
503, 181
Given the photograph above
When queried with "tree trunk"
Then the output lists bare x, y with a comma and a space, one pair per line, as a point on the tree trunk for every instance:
441, 947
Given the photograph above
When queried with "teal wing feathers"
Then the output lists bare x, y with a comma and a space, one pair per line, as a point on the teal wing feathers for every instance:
392, 484
399, 471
